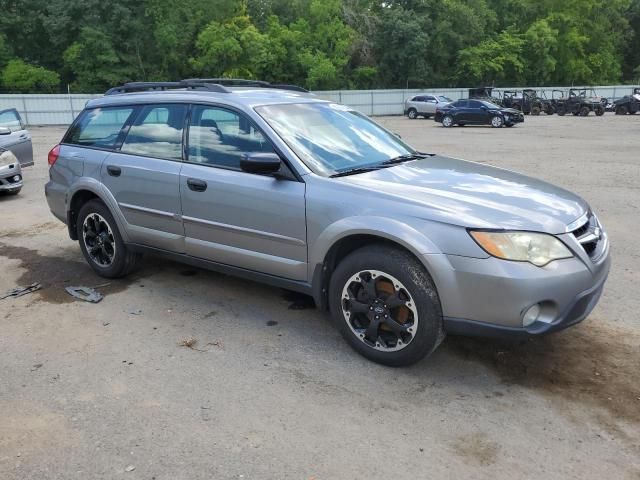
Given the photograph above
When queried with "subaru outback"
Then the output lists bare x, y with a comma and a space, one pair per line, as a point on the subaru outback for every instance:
270, 183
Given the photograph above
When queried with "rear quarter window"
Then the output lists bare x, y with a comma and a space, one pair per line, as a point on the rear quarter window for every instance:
99, 127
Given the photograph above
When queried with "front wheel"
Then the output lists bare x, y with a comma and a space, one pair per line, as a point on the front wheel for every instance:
535, 111
385, 305
447, 121
599, 111
497, 121
101, 242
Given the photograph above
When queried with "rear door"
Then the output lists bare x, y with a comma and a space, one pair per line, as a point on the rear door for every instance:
143, 176
19, 140
430, 104
256, 222
475, 112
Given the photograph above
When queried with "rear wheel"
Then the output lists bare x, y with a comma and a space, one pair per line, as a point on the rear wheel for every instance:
447, 121
561, 111
385, 305
584, 111
497, 121
599, 111
535, 111
412, 113
101, 242
621, 110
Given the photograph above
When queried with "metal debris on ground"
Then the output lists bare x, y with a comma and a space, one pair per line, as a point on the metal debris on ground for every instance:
85, 293
20, 291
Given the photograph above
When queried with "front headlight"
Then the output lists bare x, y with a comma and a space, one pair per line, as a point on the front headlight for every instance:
536, 248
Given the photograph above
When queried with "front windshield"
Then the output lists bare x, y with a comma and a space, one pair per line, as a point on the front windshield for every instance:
445, 99
331, 138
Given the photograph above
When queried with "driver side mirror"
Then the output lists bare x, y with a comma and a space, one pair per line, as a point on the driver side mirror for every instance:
262, 163
5, 131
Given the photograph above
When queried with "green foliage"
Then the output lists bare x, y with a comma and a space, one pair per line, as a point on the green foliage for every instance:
322, 44
21, 77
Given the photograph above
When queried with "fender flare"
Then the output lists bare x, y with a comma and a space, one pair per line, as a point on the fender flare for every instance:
98, 189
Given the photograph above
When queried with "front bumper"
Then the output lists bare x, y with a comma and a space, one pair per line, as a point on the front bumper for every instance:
8, 174
488, 296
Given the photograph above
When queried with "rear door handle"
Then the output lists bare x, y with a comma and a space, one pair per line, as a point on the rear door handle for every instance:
196, 185
114, 171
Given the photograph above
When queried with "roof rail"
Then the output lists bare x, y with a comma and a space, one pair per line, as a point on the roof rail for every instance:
187, 84
241, 82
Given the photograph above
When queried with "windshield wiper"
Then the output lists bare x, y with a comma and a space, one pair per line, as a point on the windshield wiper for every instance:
353, 171
406, 158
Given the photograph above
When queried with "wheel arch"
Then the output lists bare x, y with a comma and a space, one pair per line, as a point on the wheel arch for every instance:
331, 251
84, 192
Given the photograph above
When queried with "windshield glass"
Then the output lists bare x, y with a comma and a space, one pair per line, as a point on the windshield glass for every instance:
444, 99
331, 138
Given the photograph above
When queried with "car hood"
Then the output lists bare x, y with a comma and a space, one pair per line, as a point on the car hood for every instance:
474, 195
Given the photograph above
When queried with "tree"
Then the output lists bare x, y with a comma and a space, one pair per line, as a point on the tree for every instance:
94, 62
22, 77
493, 62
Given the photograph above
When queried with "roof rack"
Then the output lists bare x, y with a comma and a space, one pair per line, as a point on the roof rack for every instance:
241, 82
188, 84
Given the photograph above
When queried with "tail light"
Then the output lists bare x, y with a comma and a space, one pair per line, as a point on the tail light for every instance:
53, 155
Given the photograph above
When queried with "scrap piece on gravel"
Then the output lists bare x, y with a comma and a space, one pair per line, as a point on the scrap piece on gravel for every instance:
20, 291
85, 293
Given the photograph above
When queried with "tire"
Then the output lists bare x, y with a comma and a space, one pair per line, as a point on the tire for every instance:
584, 111
561, 111
621, 110
112, 259
599, 111
412, 113
535, 111
497, 121
447, 121
398, 271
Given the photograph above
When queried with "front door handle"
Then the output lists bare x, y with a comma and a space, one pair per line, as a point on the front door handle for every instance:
114, 171
196, 185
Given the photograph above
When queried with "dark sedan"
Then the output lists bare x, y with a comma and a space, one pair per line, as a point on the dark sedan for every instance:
477, 112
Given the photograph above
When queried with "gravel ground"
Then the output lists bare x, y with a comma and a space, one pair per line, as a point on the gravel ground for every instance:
109, 390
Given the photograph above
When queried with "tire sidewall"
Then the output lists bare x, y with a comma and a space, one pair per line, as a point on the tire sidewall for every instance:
444, 121
500, 121
421, 288
119, 262
412, 114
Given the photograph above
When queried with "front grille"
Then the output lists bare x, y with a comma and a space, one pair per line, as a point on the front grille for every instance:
589, 235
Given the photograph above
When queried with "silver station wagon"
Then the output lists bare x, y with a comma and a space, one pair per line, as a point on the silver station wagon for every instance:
273, 184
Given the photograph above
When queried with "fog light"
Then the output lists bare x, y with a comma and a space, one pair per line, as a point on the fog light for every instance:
16, 178
531, 315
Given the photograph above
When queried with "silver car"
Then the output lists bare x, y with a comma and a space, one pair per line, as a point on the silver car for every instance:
424, 105
15, 151
278, 186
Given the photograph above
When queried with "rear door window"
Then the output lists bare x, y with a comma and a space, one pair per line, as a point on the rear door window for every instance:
157, 132
99, 127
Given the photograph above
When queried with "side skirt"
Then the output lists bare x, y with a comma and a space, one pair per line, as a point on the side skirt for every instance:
274, 281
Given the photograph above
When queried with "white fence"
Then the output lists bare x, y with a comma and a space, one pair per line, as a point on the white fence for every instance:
62, 109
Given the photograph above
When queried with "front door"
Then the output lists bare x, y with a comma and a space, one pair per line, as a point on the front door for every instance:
19, 138
143, 176
251, 221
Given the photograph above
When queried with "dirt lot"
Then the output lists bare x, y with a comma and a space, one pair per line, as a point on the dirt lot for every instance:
91, 391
